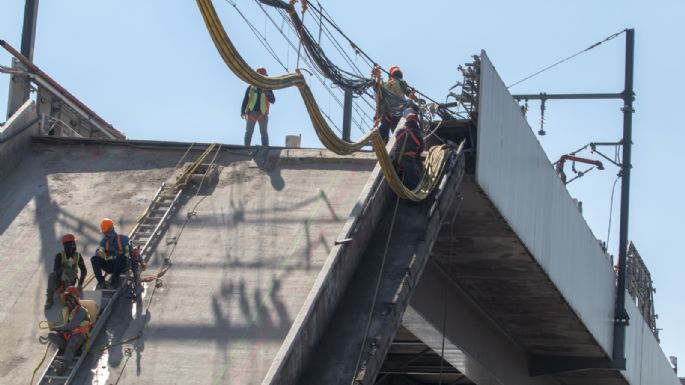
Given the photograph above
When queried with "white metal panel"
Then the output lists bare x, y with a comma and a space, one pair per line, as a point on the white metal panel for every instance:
646, 362
515, 173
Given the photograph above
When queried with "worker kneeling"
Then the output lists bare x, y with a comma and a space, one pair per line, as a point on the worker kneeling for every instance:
408, 150
64, 272
112, 255
74, 331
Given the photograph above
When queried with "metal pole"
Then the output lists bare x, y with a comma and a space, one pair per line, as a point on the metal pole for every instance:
620, 316
20, 86
347, 115
542, 96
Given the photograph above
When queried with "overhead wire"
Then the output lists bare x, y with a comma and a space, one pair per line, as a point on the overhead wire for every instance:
272, 52
437, 155
315, 70
595, 45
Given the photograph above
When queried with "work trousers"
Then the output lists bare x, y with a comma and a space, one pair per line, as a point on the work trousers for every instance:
70, 347
113, 266
252, 119
409, 171
56, 280
388, 124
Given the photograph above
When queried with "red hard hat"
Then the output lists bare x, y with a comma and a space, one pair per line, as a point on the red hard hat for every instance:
72, 291
261, 71
68, 238
394, 69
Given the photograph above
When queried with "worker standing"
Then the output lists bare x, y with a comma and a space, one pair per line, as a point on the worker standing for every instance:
394, 101
408, 148
74, 331
112, 255
64, 271
255, 109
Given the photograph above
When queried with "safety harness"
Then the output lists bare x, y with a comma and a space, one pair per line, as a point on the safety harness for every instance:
120, 248
416, 140
82, 328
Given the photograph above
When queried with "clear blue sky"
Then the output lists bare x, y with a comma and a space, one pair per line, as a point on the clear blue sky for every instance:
150, 68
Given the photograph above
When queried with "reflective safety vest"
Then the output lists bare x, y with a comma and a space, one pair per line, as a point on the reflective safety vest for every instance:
82, 328
395, 87
120, 249
401, 134
252, 101
70, 263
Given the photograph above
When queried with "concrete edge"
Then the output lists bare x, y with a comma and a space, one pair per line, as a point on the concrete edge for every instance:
15, 137
330, 284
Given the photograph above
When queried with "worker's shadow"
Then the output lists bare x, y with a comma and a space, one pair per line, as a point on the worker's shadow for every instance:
129, 333
267, 161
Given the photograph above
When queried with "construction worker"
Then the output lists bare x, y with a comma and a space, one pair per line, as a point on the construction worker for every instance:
74, 331
64, 269
112, 255
408, 150
255, 109
393, 101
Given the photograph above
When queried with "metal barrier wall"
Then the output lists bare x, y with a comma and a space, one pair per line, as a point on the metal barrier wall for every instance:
515, 173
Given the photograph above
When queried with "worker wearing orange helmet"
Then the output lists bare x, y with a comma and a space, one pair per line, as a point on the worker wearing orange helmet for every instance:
112, 255
393, 101
407, 151
255, 109
74, 331
64, 271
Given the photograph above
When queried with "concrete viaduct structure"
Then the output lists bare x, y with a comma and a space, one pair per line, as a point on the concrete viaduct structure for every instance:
304, 268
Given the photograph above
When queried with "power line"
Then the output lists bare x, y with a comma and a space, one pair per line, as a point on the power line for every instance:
568, 58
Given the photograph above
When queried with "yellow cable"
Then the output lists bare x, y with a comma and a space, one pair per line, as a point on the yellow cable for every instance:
40, 364
436, 156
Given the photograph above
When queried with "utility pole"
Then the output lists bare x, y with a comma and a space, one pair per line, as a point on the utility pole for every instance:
621, 316
347, 116
20, 86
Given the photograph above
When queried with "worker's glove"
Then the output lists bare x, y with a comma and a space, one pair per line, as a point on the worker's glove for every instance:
101, 254
243, 116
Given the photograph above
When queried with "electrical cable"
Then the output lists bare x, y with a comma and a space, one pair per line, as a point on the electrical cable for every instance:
568, 58
611, 207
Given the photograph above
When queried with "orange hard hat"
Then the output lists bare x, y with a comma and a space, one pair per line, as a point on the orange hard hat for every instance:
261, 71
106, 224
394, 69
68, 238
72, 291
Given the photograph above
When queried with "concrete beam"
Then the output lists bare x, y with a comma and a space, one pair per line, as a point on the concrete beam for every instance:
473, 343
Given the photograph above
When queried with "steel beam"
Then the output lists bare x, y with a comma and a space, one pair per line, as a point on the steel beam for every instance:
545, 96
621, 316
20, 86
347, 116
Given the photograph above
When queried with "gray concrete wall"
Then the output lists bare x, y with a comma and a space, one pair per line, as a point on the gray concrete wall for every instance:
473, 343
646, 363
15, 137
515, 173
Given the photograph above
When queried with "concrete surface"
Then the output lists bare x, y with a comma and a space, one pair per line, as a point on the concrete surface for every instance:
15, 137
243, 261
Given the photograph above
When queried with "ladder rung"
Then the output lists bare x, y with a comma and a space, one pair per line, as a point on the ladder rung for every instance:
53, 377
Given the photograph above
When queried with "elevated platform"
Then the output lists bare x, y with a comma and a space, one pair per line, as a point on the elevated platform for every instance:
244, 260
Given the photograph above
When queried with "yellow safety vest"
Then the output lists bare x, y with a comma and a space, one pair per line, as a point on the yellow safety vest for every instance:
252, 101
70, 263
82, 328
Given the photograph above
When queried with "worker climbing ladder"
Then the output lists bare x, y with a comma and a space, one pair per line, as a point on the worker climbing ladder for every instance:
143, 236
